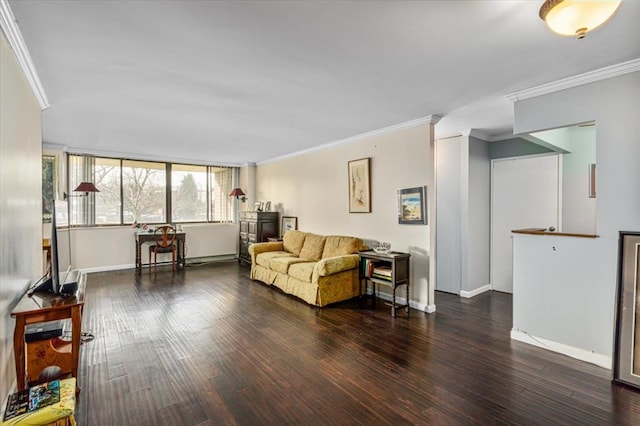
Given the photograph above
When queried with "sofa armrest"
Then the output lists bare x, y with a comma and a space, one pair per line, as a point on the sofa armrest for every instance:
333, 265
257, 248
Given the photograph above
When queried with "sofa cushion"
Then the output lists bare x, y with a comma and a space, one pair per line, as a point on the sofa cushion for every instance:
337, 245
293, 241
313, 247
264, 259
302, 271
281, 264
333, 265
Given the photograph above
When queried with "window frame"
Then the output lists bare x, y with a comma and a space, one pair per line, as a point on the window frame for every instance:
168, 191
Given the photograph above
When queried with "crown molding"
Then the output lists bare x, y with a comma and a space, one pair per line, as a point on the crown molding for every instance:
14, 36
429, 119
577, 80
53, 146
142, 157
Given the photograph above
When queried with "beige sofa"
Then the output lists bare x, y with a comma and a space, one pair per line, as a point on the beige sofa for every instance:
318, 269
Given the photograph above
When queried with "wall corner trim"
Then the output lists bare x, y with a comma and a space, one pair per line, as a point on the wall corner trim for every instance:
600, 360
433, 119
14, 36
577, 80
475, 291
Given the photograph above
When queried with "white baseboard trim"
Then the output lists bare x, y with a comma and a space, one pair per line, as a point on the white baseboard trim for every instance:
107, 268
475, 292
222, 258
600, 360
412, 303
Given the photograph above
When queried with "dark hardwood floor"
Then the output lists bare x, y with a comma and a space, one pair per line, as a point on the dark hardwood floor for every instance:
208, 346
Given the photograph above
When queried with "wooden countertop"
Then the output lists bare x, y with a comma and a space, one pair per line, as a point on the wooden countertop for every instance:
543, 231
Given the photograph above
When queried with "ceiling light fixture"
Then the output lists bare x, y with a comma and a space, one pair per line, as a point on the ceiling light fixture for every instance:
576, 17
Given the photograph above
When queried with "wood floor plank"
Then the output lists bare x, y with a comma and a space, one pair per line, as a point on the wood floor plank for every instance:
208, 346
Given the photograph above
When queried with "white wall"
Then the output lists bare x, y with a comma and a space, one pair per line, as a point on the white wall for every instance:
20, 199
450, 175
463, 209
614, 105
549, 296
313, 187
104, 248
479, 215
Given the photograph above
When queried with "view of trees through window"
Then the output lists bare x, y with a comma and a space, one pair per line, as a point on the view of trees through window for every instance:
144, 193
134, 191
189, 193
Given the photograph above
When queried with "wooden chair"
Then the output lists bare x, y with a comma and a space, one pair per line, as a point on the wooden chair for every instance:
165, 242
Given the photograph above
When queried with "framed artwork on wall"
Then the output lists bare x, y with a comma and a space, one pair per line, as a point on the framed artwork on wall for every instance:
48, 186
359, 173
412, 208
626, 357
289, 223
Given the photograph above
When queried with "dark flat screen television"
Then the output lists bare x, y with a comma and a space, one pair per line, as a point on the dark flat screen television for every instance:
62, 280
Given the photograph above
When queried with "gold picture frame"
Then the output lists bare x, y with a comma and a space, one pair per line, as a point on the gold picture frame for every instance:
359, 174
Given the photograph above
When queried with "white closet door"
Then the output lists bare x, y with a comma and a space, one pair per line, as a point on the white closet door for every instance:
525, 193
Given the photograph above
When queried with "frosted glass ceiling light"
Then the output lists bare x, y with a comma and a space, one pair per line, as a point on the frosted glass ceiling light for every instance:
576, 17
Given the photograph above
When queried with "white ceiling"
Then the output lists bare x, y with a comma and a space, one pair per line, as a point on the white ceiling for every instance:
236, 82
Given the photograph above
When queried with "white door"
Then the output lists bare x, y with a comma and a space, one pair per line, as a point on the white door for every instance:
525, 193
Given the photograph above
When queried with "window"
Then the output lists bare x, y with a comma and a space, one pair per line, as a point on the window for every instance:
144, 192
188, 193
136, 191
108, 203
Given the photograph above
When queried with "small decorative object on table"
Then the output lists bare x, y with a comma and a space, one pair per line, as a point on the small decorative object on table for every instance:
382, 247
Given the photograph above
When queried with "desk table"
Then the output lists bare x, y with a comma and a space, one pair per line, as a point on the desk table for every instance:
148, 237
44, 307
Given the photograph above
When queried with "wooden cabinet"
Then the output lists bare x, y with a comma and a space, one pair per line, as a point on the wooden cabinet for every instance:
391, 270
256, 227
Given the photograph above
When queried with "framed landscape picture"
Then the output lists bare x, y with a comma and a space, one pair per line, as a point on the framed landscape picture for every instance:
359, 186
626, 360
412, 209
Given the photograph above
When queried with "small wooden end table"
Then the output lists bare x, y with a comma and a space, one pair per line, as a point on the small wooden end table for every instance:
397, 263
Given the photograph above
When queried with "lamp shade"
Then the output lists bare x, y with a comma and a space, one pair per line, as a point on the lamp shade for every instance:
576, 17
86, 187
237, 192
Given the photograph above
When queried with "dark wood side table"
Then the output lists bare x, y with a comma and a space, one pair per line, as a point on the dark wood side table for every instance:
396, 263
44, 307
